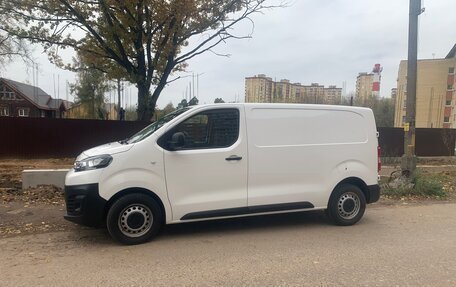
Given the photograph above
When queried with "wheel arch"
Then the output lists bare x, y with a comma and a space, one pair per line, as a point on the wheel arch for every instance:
356, 181
131, 190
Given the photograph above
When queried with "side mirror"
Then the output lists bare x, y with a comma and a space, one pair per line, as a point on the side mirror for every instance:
177, 141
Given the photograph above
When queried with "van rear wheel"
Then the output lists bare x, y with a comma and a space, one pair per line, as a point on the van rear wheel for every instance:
346, 205
134, 219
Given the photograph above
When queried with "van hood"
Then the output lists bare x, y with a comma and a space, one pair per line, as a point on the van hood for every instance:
109, 148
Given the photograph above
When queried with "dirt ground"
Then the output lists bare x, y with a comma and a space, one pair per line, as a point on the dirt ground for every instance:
41, 209
34, 210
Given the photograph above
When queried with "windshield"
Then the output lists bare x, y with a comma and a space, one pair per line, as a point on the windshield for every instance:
150, 129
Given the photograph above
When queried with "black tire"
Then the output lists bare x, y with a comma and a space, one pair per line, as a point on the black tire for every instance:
346, 205
134, 219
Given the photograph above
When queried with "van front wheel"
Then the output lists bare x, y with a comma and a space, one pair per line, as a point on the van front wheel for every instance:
346, 205
134, 219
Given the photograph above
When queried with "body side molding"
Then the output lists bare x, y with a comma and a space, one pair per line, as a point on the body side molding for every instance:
248, 210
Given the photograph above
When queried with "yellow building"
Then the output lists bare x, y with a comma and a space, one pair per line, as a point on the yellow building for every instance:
262, 89
364, 83
258, 89
435, 105
333, 95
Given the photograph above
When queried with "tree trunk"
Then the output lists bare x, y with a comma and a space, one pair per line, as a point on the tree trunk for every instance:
161, 85
157, 91
145, 112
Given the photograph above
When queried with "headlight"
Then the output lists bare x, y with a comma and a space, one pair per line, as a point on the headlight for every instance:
93, 162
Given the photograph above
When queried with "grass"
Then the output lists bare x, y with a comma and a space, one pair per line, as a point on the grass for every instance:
421, 185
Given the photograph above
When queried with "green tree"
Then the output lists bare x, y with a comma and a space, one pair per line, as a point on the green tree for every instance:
166, 110
347, 100
11, 47
182, 104
218, 101
384, 112
89, 89
142, 41
383, 108
130, 114
193, 101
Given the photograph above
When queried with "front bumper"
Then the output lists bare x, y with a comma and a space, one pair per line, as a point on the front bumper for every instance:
373, 193
84, 204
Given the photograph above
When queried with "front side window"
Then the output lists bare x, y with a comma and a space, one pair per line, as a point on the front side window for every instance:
150, 129
217, 128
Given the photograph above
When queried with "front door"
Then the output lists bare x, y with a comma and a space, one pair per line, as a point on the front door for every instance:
207, 175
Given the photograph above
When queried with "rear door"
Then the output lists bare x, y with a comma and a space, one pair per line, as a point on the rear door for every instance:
209, 174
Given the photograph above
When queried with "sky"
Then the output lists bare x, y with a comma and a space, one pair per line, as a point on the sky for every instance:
309, 41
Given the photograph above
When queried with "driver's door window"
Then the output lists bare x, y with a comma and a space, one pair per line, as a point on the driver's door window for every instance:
209, 129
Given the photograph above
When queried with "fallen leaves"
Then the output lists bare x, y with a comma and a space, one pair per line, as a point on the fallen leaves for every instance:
47, 194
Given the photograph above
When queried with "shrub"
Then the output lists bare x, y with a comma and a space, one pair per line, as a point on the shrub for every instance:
421, 185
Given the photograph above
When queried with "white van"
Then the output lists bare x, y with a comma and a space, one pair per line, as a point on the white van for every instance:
228, 160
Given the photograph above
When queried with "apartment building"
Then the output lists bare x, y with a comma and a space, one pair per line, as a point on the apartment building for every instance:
435, 101
262, 89
333, 95
258, 89
364, 83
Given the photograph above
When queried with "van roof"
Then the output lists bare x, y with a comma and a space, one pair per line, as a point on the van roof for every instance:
283, 105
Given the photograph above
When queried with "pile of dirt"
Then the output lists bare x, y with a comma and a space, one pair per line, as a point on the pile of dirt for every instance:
48, 194
10, 177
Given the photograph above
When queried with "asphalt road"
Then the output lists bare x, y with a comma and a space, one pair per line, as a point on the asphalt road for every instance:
392, 246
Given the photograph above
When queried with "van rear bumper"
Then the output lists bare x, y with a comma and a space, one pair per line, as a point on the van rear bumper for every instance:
373, 193
84, 205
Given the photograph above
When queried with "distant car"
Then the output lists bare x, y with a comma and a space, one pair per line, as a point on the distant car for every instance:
228, 160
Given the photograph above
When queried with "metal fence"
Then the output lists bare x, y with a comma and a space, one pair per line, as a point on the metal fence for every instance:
56, 138
429, 142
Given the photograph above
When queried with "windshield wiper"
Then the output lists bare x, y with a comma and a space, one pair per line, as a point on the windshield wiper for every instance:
124, 141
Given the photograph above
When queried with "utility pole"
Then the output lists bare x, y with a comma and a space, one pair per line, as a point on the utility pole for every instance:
119, 106
408, 164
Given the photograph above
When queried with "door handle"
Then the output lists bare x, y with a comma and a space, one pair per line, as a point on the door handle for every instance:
233, 157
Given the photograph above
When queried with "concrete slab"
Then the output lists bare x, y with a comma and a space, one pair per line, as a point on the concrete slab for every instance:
34, 177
